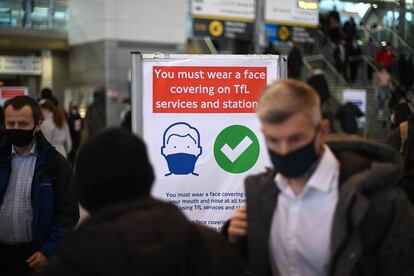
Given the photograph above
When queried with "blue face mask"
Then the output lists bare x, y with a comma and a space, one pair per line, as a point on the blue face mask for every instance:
181, 163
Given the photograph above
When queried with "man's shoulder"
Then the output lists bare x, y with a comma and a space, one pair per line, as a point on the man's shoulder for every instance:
51, 158
55, 158
258, 182
370, 165
5, 154
261, 176
5, 147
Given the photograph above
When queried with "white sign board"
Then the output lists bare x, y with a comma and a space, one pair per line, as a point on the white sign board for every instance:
201, 130
292, 12
238, 9
359, 98
20, 65
8, 92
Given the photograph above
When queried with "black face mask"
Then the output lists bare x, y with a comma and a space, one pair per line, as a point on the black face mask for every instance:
295, 164
20, 137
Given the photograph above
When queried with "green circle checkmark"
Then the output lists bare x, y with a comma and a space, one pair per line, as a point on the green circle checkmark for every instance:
236, 149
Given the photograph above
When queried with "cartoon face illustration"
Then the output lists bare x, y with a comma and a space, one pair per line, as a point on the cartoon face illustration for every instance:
181, 148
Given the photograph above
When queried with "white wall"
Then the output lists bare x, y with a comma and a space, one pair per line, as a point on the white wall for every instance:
156, 21
86, 21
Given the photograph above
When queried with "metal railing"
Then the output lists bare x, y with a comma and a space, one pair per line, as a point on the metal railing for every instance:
383, 33
203, 46
212, 49
396, 37
336, 81
368, 61
326, 63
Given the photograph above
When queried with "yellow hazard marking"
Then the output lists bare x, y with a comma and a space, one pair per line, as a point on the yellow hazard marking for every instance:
216, 28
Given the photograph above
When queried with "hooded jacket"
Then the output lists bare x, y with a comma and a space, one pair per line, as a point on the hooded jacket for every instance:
373, 225
145, 237
55, 208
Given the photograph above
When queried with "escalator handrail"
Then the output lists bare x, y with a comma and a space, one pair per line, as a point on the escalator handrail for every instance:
380, 28
328, 63
370, 61
210, 45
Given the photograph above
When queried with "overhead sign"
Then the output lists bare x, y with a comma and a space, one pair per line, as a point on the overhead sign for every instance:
276, 32
223, 29
233, 9
223, 18
300, 13
201, 129
8, 92
20, 65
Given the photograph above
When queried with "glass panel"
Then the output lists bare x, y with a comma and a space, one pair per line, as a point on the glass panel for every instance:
39, 14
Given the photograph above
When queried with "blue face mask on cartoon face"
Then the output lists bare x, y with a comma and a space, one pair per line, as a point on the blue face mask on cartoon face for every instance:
181, 163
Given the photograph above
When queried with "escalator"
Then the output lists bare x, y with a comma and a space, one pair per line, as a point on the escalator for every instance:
386, 34
201, 46
375, 128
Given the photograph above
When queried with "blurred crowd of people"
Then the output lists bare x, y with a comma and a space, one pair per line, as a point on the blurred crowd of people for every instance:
338, 183
354, 191
64, 129
343, 41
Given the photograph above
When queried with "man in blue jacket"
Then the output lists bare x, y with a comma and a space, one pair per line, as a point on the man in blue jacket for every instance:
37, 202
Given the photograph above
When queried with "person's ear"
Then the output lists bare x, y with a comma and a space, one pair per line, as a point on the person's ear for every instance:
325, 129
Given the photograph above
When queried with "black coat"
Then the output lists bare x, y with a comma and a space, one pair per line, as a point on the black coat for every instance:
347, 115
295, 63
406, 70
350, 30
146, 237
319, 83
402, 112
127, 121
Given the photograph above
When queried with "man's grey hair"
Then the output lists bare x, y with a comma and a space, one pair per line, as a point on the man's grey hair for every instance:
285, 98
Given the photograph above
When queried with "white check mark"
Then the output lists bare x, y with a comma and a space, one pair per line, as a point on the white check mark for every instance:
234, 154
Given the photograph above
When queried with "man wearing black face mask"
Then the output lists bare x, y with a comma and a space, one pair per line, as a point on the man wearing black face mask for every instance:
329, 206
37, 204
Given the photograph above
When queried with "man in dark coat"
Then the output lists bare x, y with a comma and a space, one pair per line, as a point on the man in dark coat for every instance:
318, 81
75, 124
350, 29
352, 51
295, 62
37, 202
347, 115
130, 233
95, 113
406, 69
327, 207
